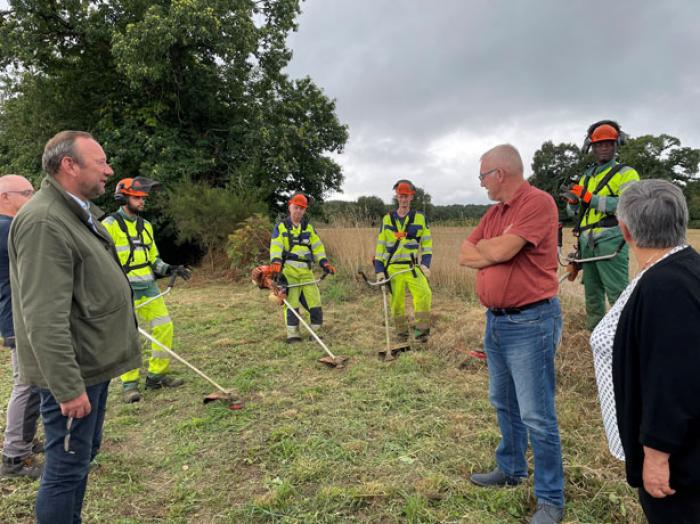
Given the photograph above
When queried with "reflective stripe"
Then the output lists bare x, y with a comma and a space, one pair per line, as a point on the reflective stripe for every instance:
316, 245
601, 204
122, 248
160, 321
277, 243
297, 264
141, 278
160, 354
402, 256
426, 237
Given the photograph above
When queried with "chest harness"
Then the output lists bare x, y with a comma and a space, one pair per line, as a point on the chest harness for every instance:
134, 243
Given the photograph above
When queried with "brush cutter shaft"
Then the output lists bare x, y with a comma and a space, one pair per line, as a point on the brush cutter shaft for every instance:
386, 321
307, 282
178, 357
308, 328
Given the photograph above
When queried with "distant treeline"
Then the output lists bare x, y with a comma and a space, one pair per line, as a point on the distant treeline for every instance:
368, 211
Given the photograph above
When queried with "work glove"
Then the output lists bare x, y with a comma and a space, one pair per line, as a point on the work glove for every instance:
426, 270
577, 193
328, 268
183, 272
275, 269
381, 276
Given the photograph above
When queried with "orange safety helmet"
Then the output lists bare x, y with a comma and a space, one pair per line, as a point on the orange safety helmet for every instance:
133, 187
404, 187
300, 200
604, 132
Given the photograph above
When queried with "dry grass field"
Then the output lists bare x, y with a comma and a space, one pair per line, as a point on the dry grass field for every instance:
374, 442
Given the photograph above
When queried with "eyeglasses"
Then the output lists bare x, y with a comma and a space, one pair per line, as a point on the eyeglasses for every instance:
484, 175
25, 193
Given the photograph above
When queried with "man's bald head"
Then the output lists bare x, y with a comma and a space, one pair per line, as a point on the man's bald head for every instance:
15, 191
506, 157
14, 183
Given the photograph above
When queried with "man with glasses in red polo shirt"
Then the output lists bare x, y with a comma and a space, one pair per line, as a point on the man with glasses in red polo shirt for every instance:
514, 248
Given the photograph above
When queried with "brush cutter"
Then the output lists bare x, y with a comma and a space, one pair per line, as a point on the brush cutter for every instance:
390, 352
222, 394
262, 277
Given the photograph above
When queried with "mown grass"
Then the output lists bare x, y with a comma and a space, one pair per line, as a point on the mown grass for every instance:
372, 443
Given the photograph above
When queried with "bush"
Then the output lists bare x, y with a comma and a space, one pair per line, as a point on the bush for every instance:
249, 245
206, 215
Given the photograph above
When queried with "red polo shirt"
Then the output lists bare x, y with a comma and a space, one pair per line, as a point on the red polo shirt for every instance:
531, 275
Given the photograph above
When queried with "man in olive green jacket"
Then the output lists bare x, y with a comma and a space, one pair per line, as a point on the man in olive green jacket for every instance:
74, 321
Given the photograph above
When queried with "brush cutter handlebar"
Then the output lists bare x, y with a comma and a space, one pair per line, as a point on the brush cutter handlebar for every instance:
384, 281
171, 284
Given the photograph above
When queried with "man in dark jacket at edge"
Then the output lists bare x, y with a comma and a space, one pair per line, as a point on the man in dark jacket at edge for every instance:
74, 321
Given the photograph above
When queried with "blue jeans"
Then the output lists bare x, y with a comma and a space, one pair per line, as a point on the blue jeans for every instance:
68, 454
520, 355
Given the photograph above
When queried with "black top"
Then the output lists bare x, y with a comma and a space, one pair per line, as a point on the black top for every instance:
6, 329
656, 369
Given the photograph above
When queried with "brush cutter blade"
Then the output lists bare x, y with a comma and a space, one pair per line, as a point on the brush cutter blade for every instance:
337, 362
393, 351
229, 398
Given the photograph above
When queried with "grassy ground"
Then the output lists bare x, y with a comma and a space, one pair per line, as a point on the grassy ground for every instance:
374, 442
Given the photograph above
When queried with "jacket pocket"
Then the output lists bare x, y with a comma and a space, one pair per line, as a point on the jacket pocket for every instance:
102, 340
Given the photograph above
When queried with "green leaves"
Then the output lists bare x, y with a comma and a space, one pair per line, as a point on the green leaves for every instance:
173, 89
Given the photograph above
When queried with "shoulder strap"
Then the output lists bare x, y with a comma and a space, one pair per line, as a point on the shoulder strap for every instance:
128, 267
584, 208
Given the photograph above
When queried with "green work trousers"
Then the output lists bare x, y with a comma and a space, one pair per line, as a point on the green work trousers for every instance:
603, 278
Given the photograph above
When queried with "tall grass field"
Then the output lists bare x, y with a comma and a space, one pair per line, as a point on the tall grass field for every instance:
373, 443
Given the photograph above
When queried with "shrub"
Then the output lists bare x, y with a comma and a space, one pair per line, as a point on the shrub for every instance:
249, 244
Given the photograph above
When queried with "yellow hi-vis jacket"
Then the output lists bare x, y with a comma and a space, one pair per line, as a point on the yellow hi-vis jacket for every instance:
401, 239
137, 252
297, 247
599, 218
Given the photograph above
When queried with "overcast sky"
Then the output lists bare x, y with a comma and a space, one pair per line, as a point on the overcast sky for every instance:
426, 87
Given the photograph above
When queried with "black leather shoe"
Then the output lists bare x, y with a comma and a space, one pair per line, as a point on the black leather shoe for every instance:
494, 479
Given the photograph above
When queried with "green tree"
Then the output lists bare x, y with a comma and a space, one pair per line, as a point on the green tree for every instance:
174, 90
554, 166
207, 215
371, 208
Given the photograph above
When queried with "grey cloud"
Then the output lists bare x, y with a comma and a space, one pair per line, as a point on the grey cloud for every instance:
409, 75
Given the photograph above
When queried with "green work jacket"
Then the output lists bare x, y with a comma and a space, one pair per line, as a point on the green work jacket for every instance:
72, 304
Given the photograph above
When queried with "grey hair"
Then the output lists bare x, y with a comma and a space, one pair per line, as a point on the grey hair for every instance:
508, 158
60, 146
655, 212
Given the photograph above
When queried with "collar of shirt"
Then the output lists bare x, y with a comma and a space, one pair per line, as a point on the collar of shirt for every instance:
518, 195
86, 206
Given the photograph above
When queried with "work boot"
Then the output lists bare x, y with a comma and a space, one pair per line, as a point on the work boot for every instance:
21, 467
422, 335
547, 514
316, 329
494, 479
37, 446
163, 381
293, 335
131, 392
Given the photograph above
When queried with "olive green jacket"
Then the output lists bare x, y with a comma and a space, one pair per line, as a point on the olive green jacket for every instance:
73, 314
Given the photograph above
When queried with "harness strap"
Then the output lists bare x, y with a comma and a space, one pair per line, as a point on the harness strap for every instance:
584, 208
140, 228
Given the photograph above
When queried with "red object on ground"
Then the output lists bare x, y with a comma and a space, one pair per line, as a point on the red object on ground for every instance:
477, 354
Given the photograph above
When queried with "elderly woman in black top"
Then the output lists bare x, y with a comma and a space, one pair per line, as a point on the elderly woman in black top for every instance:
655, 333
